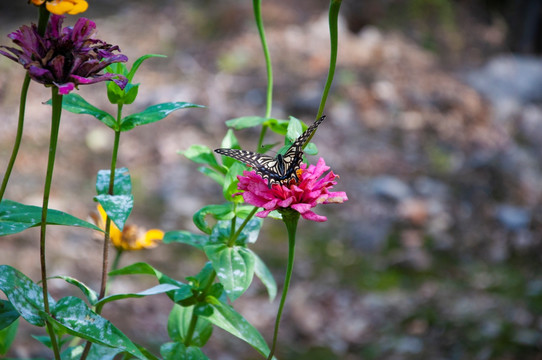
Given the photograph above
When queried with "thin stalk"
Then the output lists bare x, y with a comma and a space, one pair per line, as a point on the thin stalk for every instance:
194, 319
334, 7
18, 136
245, 222
55, 126
107, 237
43, 17
257, 5
290, 218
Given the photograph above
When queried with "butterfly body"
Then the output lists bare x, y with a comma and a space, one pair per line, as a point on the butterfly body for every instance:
280, 169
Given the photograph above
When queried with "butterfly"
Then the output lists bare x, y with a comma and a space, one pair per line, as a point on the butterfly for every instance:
279, 169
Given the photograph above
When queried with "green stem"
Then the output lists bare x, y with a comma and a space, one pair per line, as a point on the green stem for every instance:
290, 218
194, 318
55, 125
107, 237
257, 5
334, 7
18, 136
245, 222
43, 17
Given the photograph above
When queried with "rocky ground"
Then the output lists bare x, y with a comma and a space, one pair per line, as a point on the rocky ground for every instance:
436, 253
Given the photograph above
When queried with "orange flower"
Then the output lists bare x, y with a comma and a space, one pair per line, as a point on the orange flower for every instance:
61, 7
132, 237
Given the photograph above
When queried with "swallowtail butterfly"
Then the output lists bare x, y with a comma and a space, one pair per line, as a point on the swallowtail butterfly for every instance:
279, 169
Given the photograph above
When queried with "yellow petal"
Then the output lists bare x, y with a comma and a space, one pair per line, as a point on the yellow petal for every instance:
151, 238
59, 7
79, 7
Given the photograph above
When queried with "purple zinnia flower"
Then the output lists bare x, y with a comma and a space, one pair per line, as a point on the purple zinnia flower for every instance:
64, 57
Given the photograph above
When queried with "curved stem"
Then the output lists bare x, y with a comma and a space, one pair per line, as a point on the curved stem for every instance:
245, 222
43, 17
334, 7
55, 125
18, 136
257, 5
290, 218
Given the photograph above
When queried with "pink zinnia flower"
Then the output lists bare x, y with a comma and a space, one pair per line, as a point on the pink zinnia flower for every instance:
301, 197
64, 57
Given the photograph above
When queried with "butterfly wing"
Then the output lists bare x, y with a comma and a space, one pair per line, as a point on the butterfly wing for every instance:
294, 155
276, 170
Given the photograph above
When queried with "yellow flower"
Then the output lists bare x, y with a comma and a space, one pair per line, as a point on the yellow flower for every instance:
132, 237
60, 7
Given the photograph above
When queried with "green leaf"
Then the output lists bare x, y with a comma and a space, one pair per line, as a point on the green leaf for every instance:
76, 104
7, 335
90, 294
278, 126
219, 212
179, 323
246, 122
138, 63
158, 289
311, 149
176, 351
16, 217
295, 129
229, 188
25, 296
185, 237
221, 233
201, 154
153, 113
234, 267
213, 174
142, 268
8, 314
77, 319
122, 184
117, 207
229, 142
225, 317
266, 277
97, 352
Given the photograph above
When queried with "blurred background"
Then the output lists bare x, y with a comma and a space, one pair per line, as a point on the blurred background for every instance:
434, 125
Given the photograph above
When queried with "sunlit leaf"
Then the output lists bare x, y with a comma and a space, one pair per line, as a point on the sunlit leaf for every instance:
158, 289
117, 207
77, 319
234, 267
185, 237
25, 296
90, 294
153, 113
266, 277
122, 184
230, 320
219, 212
76, 104
245, 122
16, 217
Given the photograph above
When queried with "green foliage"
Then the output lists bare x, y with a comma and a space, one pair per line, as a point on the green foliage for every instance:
122, 182
178, 326
7, 335
16, 217
175, 351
